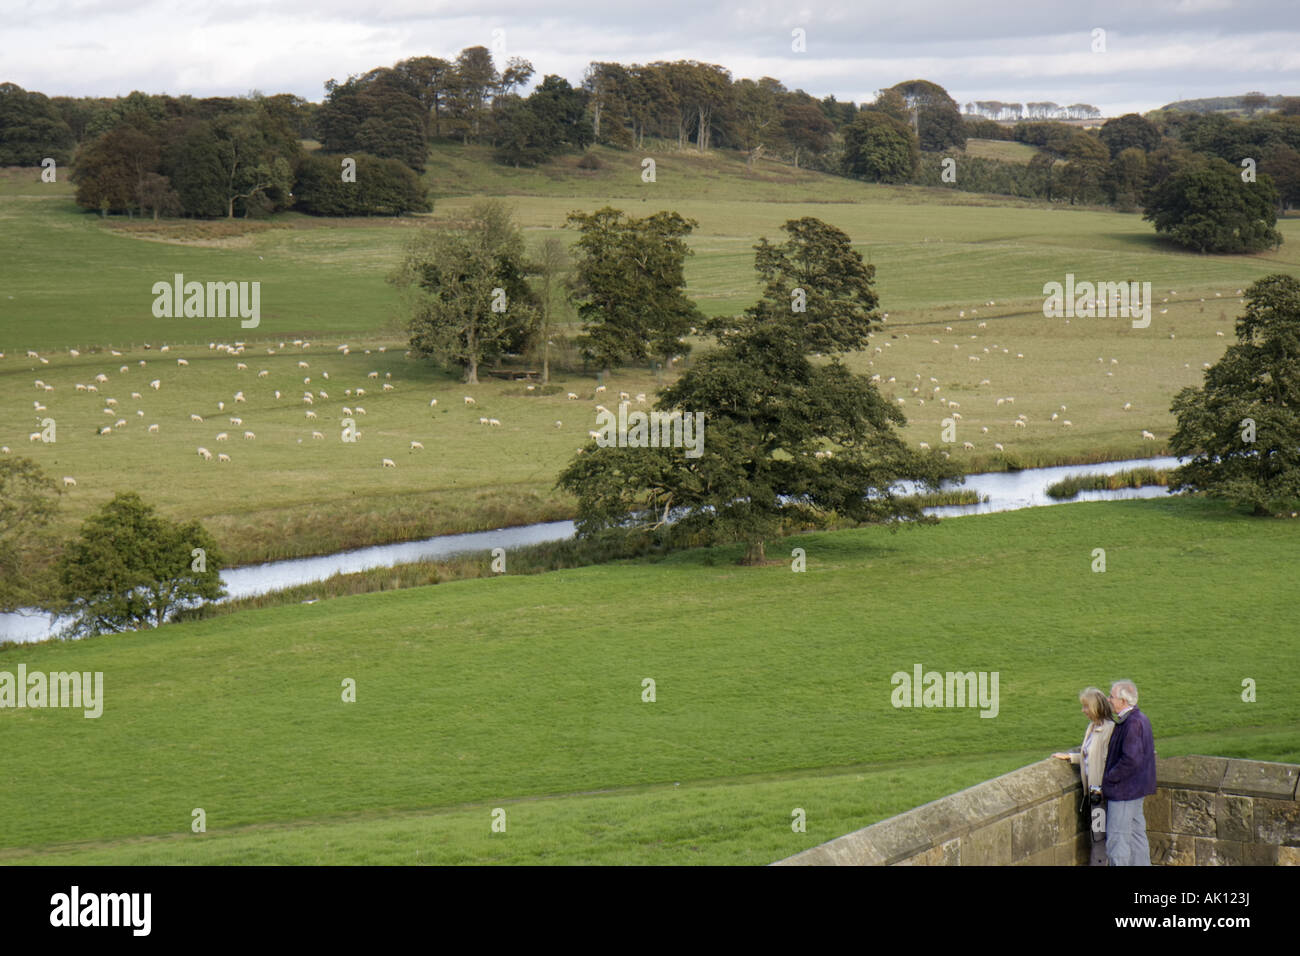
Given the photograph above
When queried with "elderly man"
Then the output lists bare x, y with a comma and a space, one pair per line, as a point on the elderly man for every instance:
1130, 775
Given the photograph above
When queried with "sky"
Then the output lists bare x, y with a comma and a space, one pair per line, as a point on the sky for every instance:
1147, 53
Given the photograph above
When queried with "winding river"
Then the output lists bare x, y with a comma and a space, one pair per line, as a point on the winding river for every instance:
1006, 491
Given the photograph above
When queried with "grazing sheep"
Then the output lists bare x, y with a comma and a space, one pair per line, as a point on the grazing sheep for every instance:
182, 362
573, 396
360, 410
308, 399
494, 422
973, 358
600, 389
205, 454
1054, 416
1019, 423
1018, 354
4, 450
415, 445
1000, 402
80, 387
155, 384
1148, 436
135, 395
241, 367
303, 365
316, 435
310, 413
389, 463
983, 325
1219, 334
362, 391
387, 387
984, 429
967, 446
470, 401
236, 421
346, 410
322, 394
239, 397
197, 418
1067, 423
107, 411
223, 436
925, 445
954, 405
372, 375
263, 373
106, 430
559, 424
101, 378
589, 435
120, 423
31, 354
69, 481
640, 398
165, 348
110, 401
482, 421
433, 402
221, 406
998, 445
249, 436
223, 457
153, 429
624, 397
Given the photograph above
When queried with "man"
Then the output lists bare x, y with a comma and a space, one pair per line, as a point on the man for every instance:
1130, 775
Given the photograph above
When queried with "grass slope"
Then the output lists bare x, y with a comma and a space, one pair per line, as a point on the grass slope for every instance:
773, 692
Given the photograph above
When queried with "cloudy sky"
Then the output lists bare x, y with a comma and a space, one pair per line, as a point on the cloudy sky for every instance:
1156, 51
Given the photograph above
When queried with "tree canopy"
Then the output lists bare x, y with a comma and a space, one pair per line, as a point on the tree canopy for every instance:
1208, 207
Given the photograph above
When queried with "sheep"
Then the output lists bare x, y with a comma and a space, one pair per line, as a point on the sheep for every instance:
153, 429
31, 354
107, 411
640, 398
998, 445
954, 405
101, 378
389, 463
135, 395
110, 401
156, 384
4, 449
239, 397
360, 410
1055, 416
322, 394
303, 365
223, 457
573, 396
983, 325
316, 435
1128, 406
120, 423
985, 381
236, 421
1148, 436
263, 373
624, 397
241, 367
308, 399
925, 445
589, 435
956, 416
482, 421
249, 436
165, 348
106, 430
277, 393
223, 436
1019, 423
80, 387
362, 391
433, 402
601, 408
310, 413
346, 410
973, 358
197, 418
984, 429
1067, 423
1000, 402
1019, 355
387, 387
1011, 399
372, 375
967, 446
415, 445
221, 406
1219, 334
600, 389
307, 380
494, 422
182, 362
559, 424
470, 401
387, 374
205, 454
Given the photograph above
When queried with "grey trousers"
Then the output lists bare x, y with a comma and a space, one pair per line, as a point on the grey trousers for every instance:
1126, 833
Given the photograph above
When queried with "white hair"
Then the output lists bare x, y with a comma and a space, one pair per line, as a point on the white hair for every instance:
1126, 691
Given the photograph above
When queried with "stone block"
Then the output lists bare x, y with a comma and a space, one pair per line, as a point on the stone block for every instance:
1233, 853
1192, 811
1235, 817
1277, 822
1288, 856
1155, 807
1069, 821
1045, 857
1260, 779
1172, 849
1191, 773
988, 846
1033, 831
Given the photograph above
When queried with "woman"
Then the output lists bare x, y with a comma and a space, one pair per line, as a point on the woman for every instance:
1092, 765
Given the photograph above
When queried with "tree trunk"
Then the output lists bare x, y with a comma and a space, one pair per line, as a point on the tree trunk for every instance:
471, 375
755, 554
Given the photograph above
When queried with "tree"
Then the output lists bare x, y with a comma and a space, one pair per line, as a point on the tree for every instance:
1253, 102
31, 129
552, 119
771, 413
130, 568
880, 148
28, 501
1241, 430
475, 77
469, 299
551, 267
155, 193
1127, 132
383, 187
1207, 207
1087, 160
936, 118
383, 113
806, 129
113, 167
758, 115
630, 285
1126, 178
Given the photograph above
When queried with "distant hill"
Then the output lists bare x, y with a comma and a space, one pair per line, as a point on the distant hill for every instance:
1219, 104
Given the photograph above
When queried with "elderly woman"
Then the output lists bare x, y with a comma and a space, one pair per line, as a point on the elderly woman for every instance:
1091, 759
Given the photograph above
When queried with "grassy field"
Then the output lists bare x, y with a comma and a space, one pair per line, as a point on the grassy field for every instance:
74, 280
772, 692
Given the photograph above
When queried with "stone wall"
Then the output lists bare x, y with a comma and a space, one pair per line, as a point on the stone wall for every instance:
1206, 811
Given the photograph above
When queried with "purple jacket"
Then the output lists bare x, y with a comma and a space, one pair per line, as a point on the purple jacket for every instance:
1131, 760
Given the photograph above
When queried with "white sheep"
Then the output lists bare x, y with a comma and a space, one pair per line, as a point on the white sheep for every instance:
573, 396
1148, 436
346, 410
153, 429
303, 365
415, 445
362, 391
589, 435
1019, 423
310, 413
433, 402
599, 389
389, 463
372, 375
223, 457
640, 398
197, 418
470, 401
4, 449
925, 445
263, 373
241, 367
135, 395
493, 422
155, 384
80, 387
249, 436
360, 410
69, 481
316, 435
387, 387
1067, 423
236, 421
120, 423
205, 454
482, 421
239, 397
223, 436
101, 378
968, 446
308, 399
182, 362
